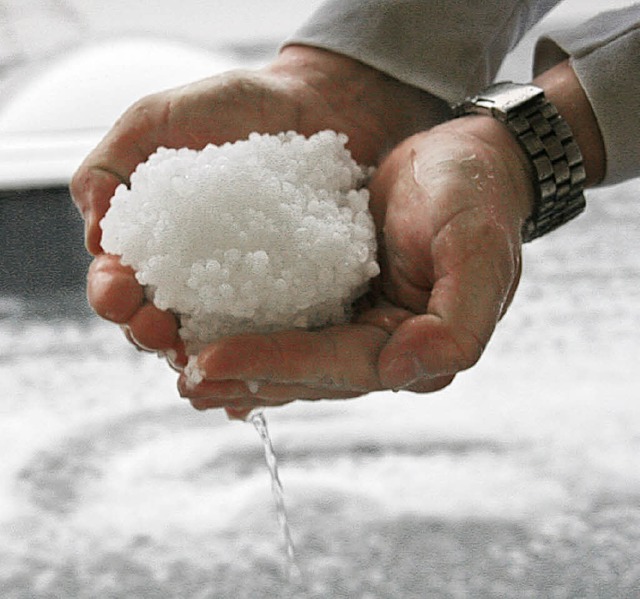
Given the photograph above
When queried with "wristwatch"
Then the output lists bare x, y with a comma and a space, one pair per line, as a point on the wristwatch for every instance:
547, 140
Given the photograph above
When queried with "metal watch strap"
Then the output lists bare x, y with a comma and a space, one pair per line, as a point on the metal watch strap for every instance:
548, 142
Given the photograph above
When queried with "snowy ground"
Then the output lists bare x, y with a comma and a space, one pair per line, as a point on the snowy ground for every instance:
520, 480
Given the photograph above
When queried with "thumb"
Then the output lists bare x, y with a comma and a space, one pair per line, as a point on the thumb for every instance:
475, 278
424, 348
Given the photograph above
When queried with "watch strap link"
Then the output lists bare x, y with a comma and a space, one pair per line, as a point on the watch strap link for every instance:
548, 142
557, 161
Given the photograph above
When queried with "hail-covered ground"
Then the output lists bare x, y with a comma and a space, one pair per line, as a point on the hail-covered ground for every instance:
271, 232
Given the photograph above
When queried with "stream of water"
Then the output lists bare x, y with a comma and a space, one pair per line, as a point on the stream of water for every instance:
292, 569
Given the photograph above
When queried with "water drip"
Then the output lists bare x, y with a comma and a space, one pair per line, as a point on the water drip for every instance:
257, 418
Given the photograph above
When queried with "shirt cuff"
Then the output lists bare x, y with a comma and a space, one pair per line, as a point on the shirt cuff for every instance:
605, 55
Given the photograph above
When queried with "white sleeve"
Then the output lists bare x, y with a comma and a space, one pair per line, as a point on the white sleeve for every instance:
450, 48
605, 55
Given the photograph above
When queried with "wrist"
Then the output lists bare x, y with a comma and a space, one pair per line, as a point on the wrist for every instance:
547, 142
562, 88
377, 110
497, 145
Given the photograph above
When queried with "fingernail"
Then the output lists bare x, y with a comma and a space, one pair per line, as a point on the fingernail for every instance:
132, 338
92, 232
126, 329
404, 371
171, 356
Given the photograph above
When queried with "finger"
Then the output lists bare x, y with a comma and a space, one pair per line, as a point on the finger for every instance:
340, 357
475, 270
429, 385
115, 294
238, 406
237, 413
240, 393
112, 289
176, 356
131, 140
238, 398
91, 190
153, 329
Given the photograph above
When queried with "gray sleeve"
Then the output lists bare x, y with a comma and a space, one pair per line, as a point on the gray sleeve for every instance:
451, 48
605, 54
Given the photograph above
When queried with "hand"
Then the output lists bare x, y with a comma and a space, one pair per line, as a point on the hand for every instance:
449, 206
304, 89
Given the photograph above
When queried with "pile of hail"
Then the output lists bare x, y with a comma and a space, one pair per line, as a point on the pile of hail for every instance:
270, 232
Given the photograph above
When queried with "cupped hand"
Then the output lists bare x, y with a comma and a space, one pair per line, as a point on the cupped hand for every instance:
449, 205
304, 89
